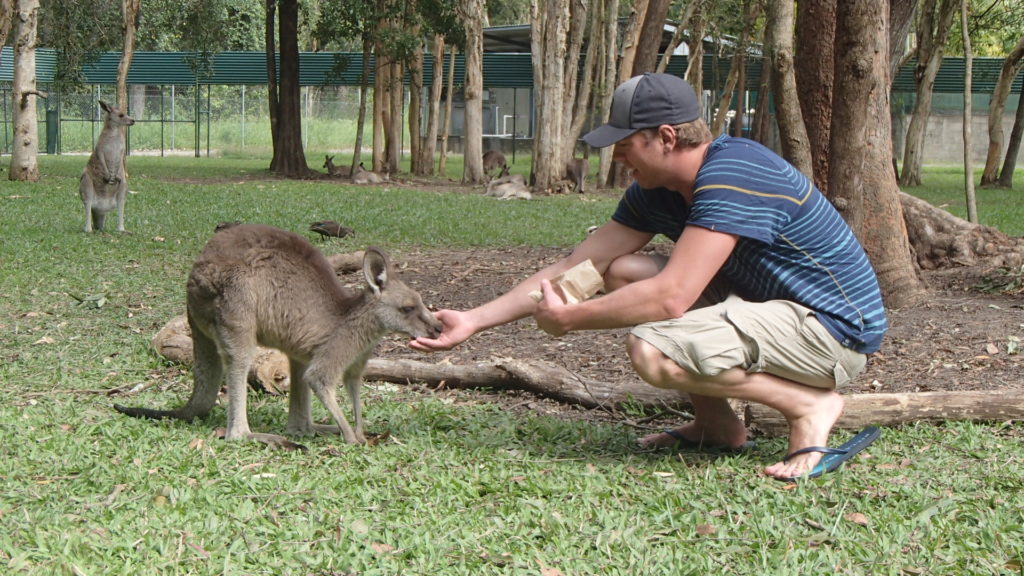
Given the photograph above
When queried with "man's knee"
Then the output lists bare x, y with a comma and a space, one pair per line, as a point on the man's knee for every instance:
631, 268
650, 364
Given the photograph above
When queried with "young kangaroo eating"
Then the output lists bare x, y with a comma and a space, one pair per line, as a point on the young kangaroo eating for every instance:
258, 285
104, 184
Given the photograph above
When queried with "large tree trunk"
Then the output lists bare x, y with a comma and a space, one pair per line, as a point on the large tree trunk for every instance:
577, 91
473, 138
25, 147
996, 108
416, 110
549, 24
815, 40
933, 33
442, 161
862, 183
289, 156
646, 59
779, 44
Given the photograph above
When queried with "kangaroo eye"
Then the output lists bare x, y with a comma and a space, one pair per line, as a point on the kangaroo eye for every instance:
407, 309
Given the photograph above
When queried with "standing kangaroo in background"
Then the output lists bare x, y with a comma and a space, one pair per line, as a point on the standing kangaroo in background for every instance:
494, 159
104, 183
576, 172
258, 285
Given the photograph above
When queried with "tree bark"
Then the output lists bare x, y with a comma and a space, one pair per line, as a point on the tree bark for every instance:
416, 109
549, 24
473, 136
646, 59
130, 16
273, 102
1013, 149
997, 106
735, 72
6, 16
429, 149
779, 43
289, 156
893, 409
933, 33
972, 203
608, 31
815, 57
25, 146
862, 183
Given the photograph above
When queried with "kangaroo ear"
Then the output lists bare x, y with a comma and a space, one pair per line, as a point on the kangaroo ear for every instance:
375, 269
105, 106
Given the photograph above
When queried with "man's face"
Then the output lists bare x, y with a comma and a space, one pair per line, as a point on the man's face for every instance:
638, 153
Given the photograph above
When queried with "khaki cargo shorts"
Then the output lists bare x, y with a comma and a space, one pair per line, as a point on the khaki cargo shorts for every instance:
777, 337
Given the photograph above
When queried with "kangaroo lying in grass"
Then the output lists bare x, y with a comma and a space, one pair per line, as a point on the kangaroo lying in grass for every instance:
336, 171
104, 184
258, 285
363, 176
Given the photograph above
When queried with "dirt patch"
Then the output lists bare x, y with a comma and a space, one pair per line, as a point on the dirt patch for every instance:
959, 339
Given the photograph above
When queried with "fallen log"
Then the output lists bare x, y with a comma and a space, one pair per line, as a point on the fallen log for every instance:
541, 378
893, 409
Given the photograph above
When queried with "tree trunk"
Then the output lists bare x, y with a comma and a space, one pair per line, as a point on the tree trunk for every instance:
1010, 162
381, 72
549, 35
473, 137
607, 75
695, 44
815, 55
933, 33
577, 91
429, 149
441, 162
273, 102
972, 203
686, 12
779, 44
735, 71
396, 101
130, 15
996, 108
25, 146
416, 164
364, 88
862, 183
6, 15
646, 59
289, 156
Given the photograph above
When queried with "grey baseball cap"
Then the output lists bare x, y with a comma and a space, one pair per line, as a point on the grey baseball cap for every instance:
646, 101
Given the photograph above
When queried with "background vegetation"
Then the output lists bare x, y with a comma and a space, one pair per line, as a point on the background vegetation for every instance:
461, 487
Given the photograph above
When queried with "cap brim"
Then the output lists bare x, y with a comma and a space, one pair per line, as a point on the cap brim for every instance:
607, 135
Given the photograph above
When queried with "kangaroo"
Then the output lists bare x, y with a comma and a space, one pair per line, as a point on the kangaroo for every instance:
508, 188
336, 171
104, 183
363, 176
576, 171
493, 159
259, 285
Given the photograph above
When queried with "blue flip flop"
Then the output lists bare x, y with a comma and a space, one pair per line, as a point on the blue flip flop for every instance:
685, 444
834, 457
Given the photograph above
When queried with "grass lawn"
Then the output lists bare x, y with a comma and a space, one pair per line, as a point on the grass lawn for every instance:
463, 487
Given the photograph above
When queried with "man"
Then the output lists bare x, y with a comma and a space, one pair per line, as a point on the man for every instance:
767, 296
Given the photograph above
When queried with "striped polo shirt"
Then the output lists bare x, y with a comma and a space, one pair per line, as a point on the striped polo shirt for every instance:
792, 243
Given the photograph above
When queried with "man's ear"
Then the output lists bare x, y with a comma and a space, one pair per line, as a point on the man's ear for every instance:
667, 135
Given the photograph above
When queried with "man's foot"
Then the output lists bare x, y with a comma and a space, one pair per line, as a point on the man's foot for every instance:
689, 437
811, 429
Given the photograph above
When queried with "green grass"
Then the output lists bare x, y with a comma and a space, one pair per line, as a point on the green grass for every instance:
465, 488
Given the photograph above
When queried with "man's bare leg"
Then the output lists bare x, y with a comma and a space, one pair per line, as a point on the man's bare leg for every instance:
810, 412
714, 425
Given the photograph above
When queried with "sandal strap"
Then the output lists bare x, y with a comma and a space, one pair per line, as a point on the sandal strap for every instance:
821, 449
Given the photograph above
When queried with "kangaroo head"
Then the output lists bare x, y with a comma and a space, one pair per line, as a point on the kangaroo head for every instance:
398, 308
115, 117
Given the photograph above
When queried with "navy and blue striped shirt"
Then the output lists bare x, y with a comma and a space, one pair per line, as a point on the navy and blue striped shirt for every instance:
793, 245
